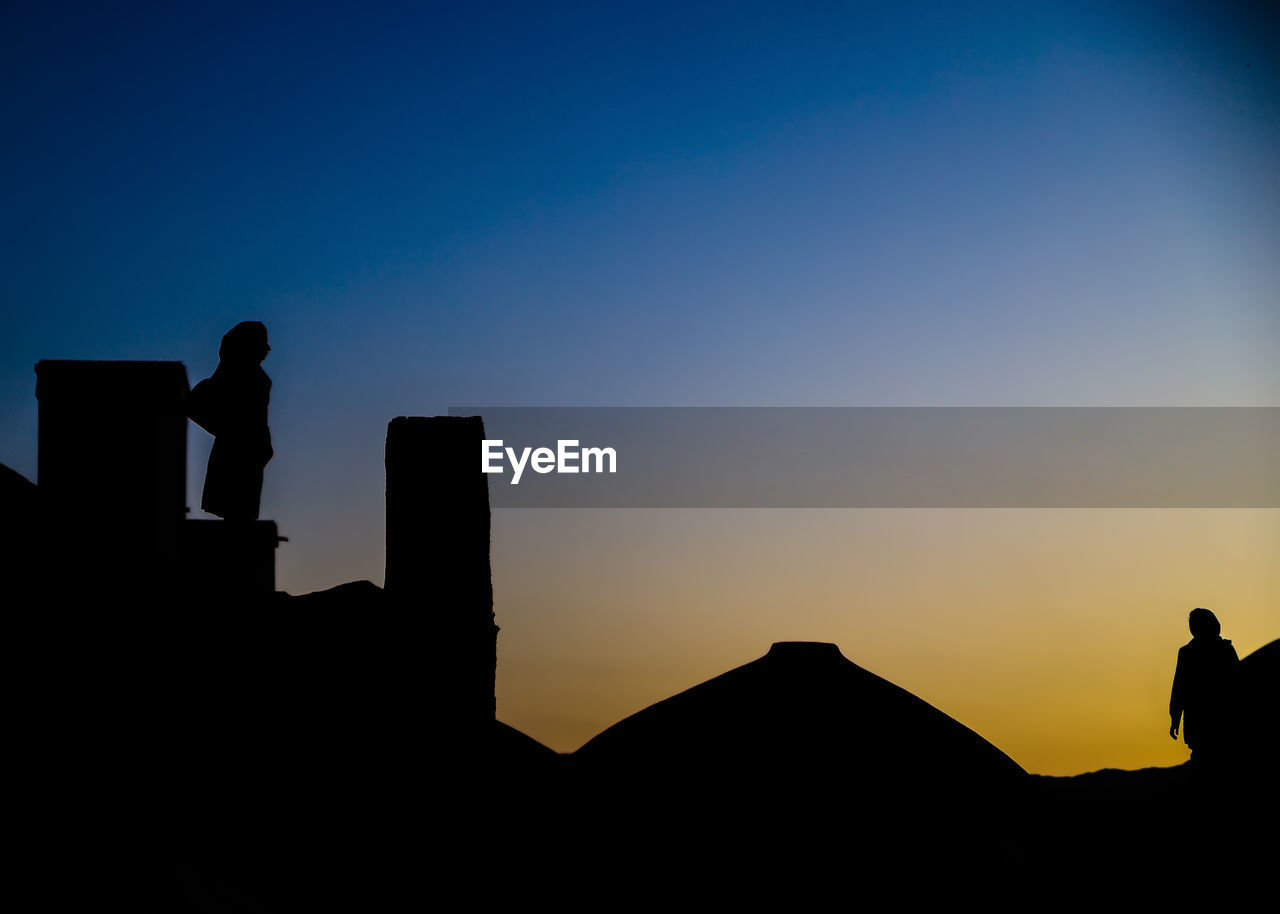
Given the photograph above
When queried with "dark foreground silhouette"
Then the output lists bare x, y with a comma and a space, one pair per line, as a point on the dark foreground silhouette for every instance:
275, 757
800, 732
798, 773
1220, 819
186, 738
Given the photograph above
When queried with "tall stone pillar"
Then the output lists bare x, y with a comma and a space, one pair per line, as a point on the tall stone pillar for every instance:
438, 562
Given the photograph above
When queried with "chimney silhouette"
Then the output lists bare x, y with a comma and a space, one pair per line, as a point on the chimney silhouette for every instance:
438, 562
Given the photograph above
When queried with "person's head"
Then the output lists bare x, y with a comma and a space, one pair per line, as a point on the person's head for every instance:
1203, 623
245, 343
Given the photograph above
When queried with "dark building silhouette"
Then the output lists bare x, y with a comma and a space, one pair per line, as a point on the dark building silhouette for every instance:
1257, 744
245, 750
113, 489
112, 470
801, 705
228, 561
19, 531
800, 762
437, 561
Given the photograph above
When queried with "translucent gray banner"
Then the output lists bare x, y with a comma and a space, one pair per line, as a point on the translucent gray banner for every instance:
882, 457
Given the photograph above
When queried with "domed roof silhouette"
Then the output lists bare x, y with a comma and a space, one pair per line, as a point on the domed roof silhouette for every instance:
802, 710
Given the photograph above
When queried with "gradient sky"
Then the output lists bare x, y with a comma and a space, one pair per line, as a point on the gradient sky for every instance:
690, 204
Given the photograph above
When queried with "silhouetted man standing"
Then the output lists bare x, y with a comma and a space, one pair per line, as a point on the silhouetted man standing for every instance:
232, 406
1201, 688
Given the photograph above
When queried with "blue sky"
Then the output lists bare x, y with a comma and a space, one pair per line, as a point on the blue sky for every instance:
713, 204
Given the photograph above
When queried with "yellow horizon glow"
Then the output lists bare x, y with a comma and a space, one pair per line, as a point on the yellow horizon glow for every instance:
1052, 633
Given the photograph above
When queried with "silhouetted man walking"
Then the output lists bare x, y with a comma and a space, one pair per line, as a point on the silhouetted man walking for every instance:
1201, 688
231, 405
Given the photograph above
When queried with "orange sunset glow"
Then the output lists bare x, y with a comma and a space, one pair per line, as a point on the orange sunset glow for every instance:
1053, 633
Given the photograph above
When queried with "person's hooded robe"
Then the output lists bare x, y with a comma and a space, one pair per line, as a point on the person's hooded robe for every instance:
231, 405
1201, 693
